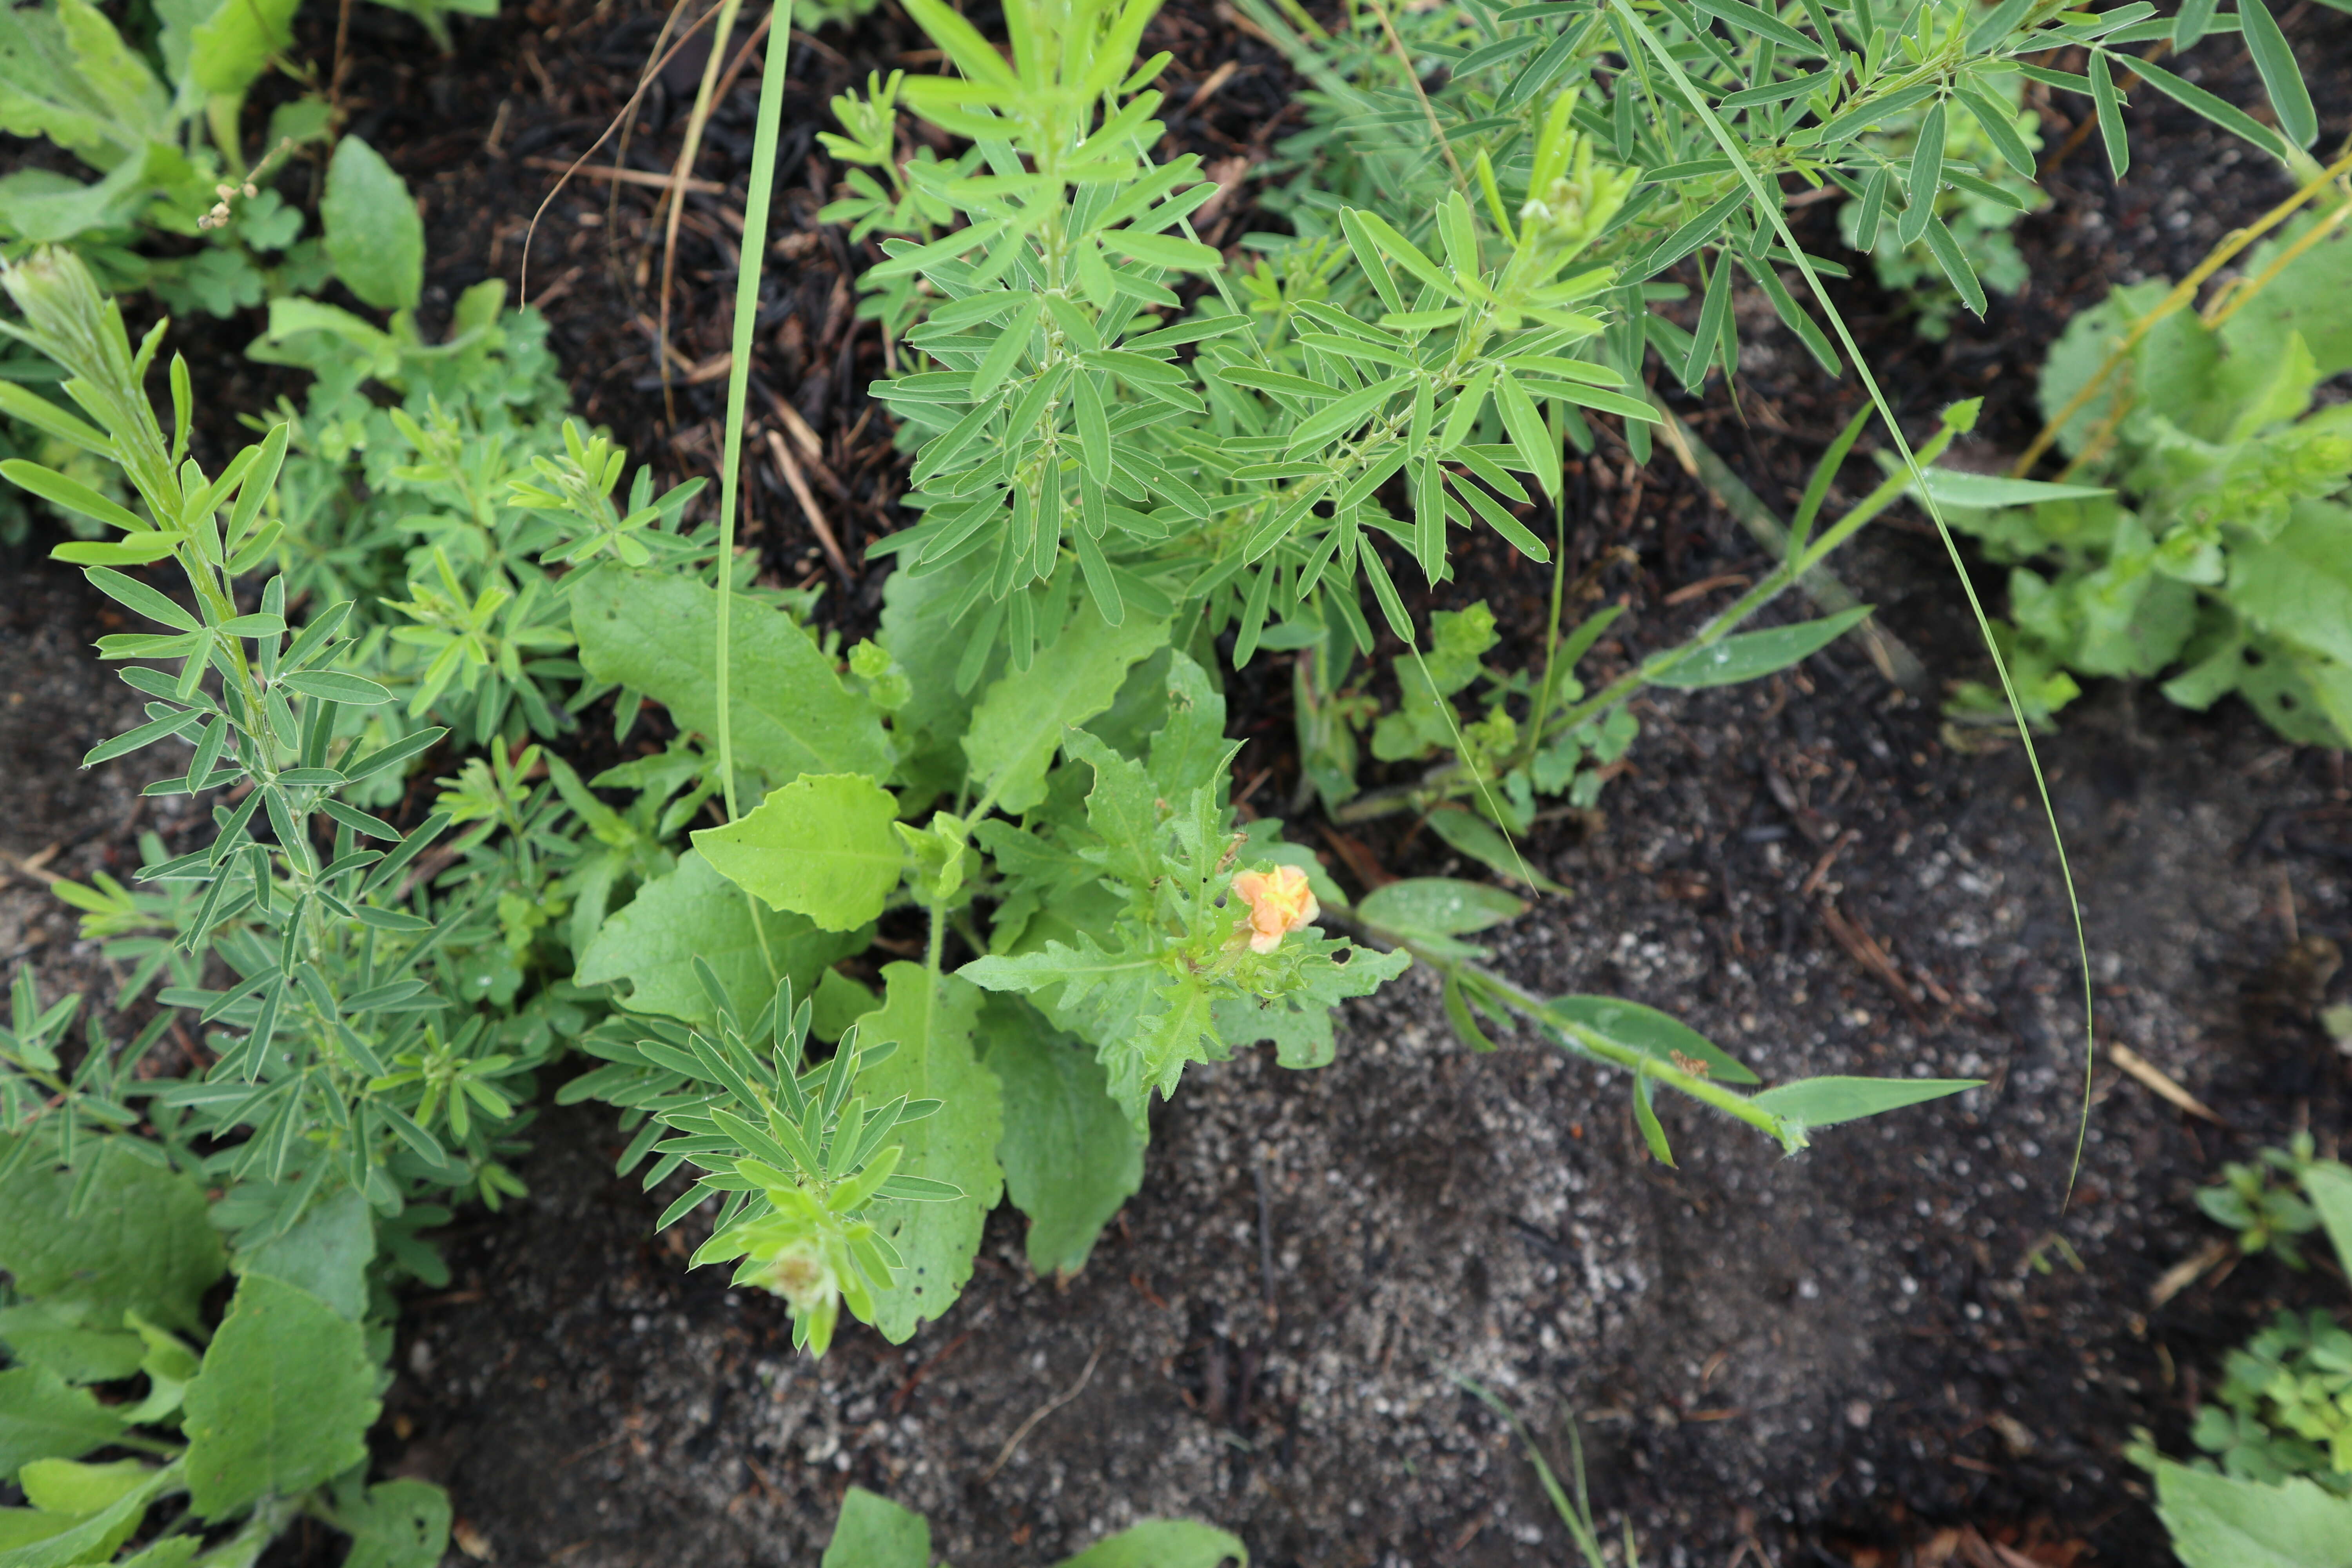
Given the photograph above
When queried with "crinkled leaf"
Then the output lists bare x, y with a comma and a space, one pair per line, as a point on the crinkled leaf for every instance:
2221, 1522
1022, 719
327, 1253
790, 714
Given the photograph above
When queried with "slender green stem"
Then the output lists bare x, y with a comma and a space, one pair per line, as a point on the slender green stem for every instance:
757, 200
1768, 202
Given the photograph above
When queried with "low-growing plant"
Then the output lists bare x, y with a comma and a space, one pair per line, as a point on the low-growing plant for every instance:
110, 1247
2205, 540
2275, 1485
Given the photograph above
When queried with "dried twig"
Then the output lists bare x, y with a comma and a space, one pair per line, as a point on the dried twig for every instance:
2160, 1083
791, 469
1039, 1414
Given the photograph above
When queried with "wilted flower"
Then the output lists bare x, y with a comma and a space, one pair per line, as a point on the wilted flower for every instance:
1279, 900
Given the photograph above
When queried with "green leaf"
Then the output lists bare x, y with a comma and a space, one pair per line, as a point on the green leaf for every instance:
326, 1253
397, 1524
229, 49
139, 1239
1021, 720
283, 1401
658, 633
875, 1532
1826, 1101
1069, 1154
693, 912
61, 1337
1752, 654
2328, 1184
2299, 585
2220, 112
1657, 1035
334, 686
933, 1024
819, 847
1475, 837
1443, 905
1161, 1543
94, 1539
2281, 77
2111, 115
58, 490
373, 235
133, 594
2221, 1522
1299, 1024
41, 1418
1951, 486
63, 1486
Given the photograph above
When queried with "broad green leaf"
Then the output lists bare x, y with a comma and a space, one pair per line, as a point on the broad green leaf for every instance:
67, 74
327, 1253
933, 1024
2299, 585
1021, 720
1444, 905
285, 1399
373, 235
2221, 1522
917, 632
658, 633
1752, 654
67, 1485
1651, 1032
1480, 839
1826, 1101
1162, 1544
819, 847
67, 1338
1070, 1157
230, 49
94, 1539
692, 913
397, 1524
2328, 1185
140, 1240
875, 1532
41, 1418
2305, 298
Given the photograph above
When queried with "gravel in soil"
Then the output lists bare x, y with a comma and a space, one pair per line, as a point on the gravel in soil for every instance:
1911, 1325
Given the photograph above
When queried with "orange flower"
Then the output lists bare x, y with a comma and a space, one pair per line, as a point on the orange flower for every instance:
1280, 902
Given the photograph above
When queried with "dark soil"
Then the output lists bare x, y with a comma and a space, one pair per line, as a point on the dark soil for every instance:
1840, 1357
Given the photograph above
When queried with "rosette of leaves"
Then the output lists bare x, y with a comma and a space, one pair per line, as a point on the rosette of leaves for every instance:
2207, 542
